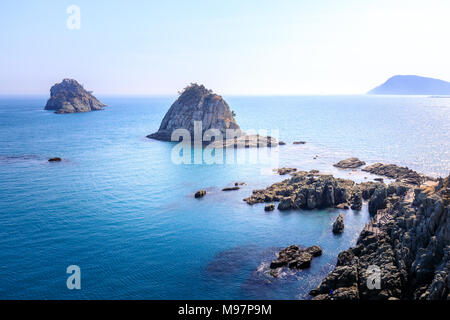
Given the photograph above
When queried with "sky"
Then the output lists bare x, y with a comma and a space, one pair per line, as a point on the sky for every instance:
235, 47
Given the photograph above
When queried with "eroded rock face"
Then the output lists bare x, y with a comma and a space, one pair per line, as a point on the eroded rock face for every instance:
197, 103
70, 97
349, 163
409, 243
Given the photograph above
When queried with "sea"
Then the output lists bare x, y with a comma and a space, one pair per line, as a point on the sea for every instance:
122, 208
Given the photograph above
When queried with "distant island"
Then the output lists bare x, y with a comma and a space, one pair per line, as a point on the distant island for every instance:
196, 103
412, 85
69, 97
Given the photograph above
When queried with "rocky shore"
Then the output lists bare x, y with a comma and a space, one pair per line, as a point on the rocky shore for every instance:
402, 253
70, 97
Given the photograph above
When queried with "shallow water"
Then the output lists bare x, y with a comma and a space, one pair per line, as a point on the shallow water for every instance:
118, 207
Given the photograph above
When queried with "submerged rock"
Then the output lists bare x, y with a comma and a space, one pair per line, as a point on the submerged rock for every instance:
230, 188
269, 207
296, 258
70, 97
284, 170
338, 225
56, 159
200, 194
349, 163
299, 142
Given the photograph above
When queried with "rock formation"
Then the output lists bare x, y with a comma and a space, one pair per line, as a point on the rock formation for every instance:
70, 97
402, 253
338, 225
349, 163
296, 258
197, 103
200, 194
403, 174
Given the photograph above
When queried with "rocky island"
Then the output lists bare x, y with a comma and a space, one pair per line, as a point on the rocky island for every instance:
412, 85
70, 97
197, 103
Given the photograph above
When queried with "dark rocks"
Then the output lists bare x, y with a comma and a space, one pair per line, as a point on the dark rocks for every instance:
296, 258
338, 225
378, 200
269, 207
379, 180
356, 201
402, 253
305, 190
284, 170
281, 143
56, 159
70, 97
200, 194
401, 174
299, 142
349, 163
231, 188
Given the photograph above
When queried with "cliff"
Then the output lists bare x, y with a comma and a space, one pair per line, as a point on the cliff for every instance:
402, 253
412, 85
70, 97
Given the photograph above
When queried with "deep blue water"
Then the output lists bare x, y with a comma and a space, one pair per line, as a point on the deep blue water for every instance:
119, 208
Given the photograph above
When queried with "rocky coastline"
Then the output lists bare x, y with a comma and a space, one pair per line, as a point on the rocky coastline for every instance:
406, 244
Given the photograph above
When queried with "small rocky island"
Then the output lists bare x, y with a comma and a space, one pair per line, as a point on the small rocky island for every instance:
197, 103
70, 97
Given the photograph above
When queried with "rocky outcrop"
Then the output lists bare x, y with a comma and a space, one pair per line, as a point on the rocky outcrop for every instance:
296, 258
402, 253
284, 170
231, 188
200, 194
305, 190
200, 110
55, 159
338, 225
70, 97
349, 163
402, 174
269, 207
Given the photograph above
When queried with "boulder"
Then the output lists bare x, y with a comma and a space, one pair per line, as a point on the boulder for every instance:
269, 207
349, 163
338, 225
56, 159
200, 194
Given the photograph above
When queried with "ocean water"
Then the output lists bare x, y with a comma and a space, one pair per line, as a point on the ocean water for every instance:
124, 212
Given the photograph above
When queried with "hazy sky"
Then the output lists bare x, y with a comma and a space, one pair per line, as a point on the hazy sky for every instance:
233, 47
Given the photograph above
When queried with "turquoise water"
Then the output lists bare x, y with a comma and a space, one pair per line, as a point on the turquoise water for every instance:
119, 208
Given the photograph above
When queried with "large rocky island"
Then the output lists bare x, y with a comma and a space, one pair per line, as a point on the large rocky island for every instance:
197, 103
70, 97
412, 85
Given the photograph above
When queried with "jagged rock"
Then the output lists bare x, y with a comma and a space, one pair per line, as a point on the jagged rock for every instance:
349, 163
378, 200
296, 258
269, 207
403, 174
70, 97
408, 242
200, 194
338, 225
357, 201
56, 159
